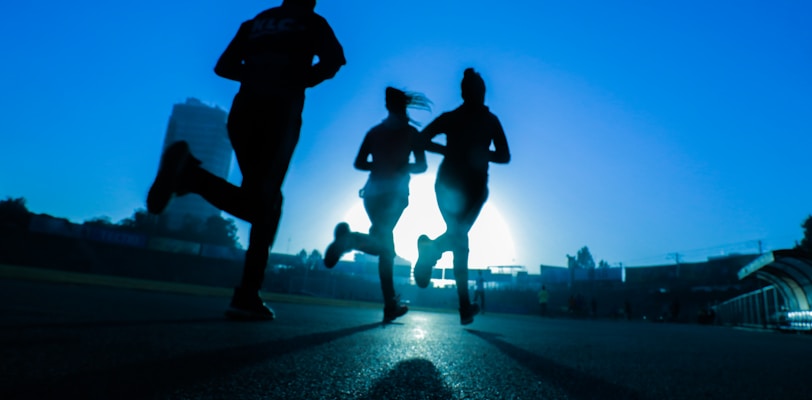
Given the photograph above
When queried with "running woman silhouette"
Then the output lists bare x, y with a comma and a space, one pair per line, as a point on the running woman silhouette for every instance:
386, 193
461, 186
272, 56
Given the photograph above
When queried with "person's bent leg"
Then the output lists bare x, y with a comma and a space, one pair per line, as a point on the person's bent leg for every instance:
367, 243
345, 240
450, 201
429, 252
220, 193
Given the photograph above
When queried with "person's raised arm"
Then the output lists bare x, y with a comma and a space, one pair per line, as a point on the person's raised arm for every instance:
331, 58
428, 133
501, 152
230, 64
362, 159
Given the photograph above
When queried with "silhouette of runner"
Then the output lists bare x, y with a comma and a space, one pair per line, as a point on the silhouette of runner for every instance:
272, 57
386, 193
462, 182
479, 291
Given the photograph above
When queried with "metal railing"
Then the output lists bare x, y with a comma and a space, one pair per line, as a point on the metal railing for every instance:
762, 308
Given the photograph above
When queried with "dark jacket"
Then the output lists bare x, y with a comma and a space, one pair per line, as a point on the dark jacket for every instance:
274, 52
470, 130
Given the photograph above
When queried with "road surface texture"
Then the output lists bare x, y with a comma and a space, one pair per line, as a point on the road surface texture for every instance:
109, 339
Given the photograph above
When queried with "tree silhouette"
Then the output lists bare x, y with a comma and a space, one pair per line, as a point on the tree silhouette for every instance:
191, 228
214, 230
14, 213
142, 221
806, 242
314, 260
584, 258
103, 221
220, 231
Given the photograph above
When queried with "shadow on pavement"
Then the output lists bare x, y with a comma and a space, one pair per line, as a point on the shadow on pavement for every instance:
156, 377
114, 324
577, 384
418, 377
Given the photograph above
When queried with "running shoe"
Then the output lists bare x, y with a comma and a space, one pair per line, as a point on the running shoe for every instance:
467, 313
427, 258
174, 162
341, 244
394, 310
246, 305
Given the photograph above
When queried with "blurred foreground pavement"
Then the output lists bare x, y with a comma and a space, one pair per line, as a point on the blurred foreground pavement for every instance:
102, 340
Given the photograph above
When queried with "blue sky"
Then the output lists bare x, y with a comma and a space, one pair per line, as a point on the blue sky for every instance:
639, 129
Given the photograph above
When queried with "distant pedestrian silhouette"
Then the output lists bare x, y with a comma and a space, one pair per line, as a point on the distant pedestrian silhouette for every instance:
462, 182
479, 292
544, 298
272, 57
386, 193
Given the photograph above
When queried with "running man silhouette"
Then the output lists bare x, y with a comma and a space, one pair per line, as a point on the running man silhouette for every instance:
386, 193
272, 56
462, 182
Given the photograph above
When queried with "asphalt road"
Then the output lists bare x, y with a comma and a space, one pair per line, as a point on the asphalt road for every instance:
89, 341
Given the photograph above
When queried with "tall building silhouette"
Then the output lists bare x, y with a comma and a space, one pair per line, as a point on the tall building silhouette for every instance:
204, 128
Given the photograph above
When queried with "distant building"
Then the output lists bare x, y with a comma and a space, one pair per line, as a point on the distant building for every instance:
204, 128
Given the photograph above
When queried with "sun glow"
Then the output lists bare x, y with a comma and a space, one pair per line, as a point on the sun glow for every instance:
490, 240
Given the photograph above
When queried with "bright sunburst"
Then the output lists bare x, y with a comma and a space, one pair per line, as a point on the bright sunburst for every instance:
491, 242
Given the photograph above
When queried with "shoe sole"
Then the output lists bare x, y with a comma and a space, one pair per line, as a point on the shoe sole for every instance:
331, 256
388, 319
423, 268
336, 249
169, 171
469, 318
422, 274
